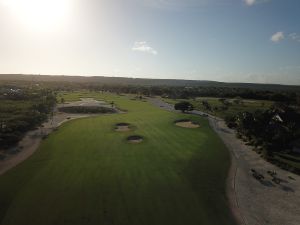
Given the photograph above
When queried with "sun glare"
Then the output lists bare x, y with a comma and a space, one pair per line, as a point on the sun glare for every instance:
39, 14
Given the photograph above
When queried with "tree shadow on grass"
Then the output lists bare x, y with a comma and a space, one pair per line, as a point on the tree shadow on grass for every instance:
287, 189
267, 183
207, 173
15, 180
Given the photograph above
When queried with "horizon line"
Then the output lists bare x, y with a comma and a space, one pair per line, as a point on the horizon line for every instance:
146, 78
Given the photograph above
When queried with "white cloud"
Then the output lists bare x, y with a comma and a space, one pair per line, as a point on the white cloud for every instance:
142, 46
277, 37
250, 2
254, 2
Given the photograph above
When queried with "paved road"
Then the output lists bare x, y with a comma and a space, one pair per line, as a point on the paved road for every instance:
254, 202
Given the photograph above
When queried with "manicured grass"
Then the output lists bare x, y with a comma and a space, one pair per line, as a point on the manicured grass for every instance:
86, 173
247, 105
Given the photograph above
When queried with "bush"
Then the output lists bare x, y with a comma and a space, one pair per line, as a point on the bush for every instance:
184, 106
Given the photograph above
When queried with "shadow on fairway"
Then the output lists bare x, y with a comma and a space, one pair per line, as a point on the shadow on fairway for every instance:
9, 192
214, 187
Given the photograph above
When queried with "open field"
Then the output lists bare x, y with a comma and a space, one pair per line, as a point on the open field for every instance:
87, 173
247, 105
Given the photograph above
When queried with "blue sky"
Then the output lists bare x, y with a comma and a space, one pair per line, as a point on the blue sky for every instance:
223, 40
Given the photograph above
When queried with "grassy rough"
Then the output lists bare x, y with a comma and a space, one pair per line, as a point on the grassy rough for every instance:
247, 105
85, 173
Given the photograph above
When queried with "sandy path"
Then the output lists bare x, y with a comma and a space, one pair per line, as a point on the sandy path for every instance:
253, 202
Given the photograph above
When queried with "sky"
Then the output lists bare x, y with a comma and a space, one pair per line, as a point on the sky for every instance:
255, 41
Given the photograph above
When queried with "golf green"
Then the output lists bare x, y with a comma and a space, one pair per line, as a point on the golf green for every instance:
87, 173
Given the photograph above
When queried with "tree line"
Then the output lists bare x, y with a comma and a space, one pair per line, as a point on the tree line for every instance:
22, 109
271, 131
288, 95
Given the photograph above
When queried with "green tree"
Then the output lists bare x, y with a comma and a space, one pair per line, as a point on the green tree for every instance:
184, 106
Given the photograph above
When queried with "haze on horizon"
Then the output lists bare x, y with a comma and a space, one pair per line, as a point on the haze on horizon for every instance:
254, 41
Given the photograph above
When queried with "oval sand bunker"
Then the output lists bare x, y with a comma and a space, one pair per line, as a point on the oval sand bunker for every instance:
187, 124
122, 127
135, 139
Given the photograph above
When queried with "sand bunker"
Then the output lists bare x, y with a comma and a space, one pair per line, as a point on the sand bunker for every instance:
187, 124
135, 139
122, 127
86, 106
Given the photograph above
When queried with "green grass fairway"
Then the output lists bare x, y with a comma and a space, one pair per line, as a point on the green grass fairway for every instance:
86, 173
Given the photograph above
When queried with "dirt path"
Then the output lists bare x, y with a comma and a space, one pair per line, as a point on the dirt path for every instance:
253, 202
